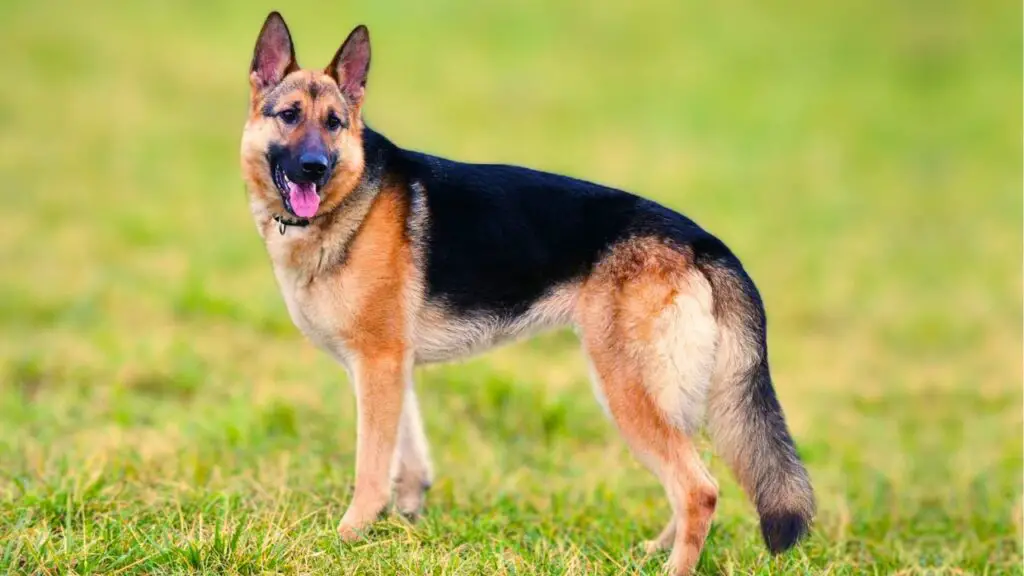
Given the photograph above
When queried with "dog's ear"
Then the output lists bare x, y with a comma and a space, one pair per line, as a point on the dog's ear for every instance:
351, 65
274, 55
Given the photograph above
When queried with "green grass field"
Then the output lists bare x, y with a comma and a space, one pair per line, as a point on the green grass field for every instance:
159, 414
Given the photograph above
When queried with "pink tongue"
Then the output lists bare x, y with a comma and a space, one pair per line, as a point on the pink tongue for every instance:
303, 199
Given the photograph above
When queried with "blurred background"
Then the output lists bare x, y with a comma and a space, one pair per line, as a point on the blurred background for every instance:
159, 413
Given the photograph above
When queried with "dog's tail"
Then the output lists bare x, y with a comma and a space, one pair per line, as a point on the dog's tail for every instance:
744, 417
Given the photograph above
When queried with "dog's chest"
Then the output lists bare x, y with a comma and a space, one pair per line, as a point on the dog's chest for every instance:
316, 303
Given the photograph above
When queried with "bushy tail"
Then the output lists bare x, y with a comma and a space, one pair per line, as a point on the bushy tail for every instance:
744, 417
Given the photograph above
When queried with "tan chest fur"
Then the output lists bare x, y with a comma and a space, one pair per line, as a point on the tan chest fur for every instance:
317, 304
349, 293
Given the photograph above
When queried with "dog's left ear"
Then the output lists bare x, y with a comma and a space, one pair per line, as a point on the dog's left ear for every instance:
351, 65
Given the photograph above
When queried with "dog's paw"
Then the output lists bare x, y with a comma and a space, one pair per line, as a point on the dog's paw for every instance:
349, 532
409, 498
359, 517
663, 541
654, 546
409, 508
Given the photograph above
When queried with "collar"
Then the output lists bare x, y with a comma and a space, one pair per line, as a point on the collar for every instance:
284, 223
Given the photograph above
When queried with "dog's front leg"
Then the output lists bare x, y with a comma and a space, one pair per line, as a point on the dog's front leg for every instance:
411, 472
380, 384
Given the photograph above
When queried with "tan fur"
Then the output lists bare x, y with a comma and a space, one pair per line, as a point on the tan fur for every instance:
640, 298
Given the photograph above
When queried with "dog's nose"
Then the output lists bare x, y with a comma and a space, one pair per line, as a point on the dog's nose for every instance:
313, 165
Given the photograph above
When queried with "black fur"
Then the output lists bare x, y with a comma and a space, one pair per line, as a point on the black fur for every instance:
782, 531
500, 236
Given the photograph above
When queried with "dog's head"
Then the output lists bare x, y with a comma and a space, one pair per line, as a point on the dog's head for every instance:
302, 147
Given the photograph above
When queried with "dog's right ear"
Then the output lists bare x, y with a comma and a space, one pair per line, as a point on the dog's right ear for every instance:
274, 56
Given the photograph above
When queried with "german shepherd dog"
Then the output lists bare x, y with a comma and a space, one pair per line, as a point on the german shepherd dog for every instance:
389, 258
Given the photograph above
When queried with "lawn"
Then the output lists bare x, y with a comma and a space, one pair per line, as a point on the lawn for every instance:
159, 413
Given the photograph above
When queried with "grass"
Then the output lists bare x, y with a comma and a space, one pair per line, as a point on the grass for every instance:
159, 414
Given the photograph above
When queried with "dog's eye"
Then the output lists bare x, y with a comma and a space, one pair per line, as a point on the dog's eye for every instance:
289, 116
333, 123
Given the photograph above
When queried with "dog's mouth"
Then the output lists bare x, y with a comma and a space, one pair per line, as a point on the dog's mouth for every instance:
300, 198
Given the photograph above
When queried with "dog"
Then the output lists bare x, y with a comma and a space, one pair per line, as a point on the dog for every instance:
389, 258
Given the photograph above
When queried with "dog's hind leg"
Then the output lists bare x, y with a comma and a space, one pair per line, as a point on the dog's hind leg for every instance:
411, 471
647, 327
